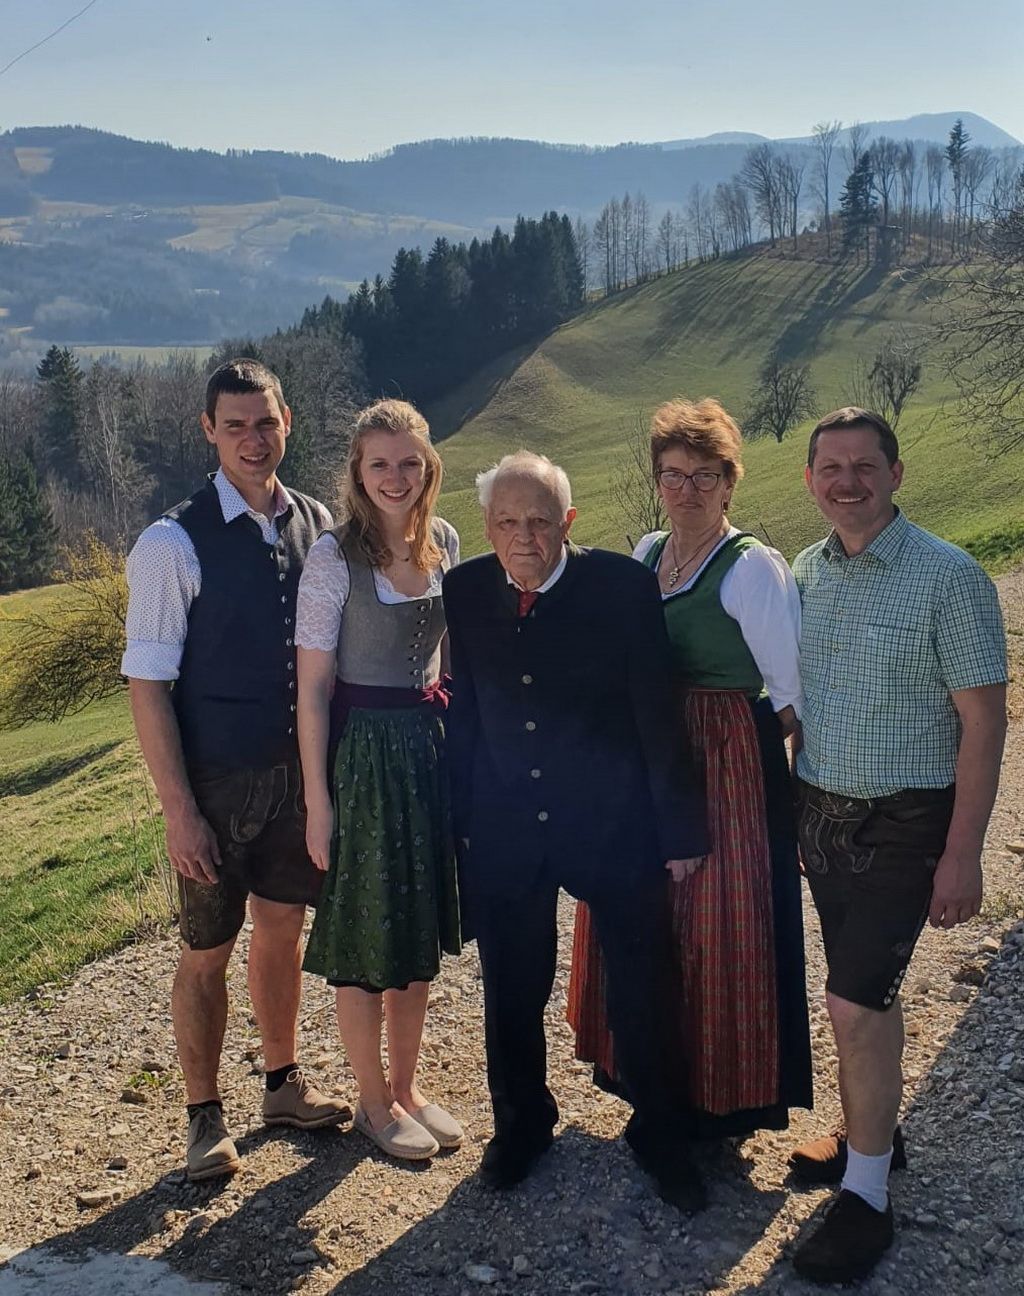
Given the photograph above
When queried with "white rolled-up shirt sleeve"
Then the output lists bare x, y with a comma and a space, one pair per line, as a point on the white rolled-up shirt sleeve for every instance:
164, 578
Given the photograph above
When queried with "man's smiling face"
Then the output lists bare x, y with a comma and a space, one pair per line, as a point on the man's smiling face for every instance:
249, 430
853, 482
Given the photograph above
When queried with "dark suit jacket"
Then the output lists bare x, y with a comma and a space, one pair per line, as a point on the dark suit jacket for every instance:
564, 733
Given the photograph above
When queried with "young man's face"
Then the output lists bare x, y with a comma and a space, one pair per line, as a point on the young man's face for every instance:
249, 430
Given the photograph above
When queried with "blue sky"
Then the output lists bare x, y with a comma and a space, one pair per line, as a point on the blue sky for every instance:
351, 77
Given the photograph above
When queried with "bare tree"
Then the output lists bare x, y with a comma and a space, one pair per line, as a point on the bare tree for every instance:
825, 134
888, 381
698, 211
641, 237
906, 167
885, 155
854, 145
789, 170
935, 178
665, 243
760, 174
781, 397
584, 249
634, 489
984, 333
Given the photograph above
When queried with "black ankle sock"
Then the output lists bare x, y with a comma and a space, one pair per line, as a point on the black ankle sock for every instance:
275, 1079
194, 1109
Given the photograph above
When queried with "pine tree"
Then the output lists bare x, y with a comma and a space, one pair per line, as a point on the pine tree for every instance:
61, 379
858, 205
27, 533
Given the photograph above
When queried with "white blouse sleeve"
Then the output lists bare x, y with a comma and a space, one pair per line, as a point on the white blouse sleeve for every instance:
450, 543
643, 547
323, 589
760, 593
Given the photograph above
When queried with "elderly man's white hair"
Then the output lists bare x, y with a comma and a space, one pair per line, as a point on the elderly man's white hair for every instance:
524, 463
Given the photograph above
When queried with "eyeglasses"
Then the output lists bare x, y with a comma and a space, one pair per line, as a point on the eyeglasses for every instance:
673, 479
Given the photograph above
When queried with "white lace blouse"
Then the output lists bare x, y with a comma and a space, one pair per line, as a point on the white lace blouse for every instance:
324, 587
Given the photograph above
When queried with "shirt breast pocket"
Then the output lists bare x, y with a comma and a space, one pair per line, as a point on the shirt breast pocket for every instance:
899, 653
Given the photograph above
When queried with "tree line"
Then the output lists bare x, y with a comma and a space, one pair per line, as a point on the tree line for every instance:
102, 448
894, 194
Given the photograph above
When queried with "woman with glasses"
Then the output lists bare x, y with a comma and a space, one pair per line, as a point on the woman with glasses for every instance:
735, 990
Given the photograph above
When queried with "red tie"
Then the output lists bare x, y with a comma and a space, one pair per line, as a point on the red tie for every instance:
527, 598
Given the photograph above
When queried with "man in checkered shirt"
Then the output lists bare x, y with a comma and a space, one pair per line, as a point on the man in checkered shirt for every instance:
903, 664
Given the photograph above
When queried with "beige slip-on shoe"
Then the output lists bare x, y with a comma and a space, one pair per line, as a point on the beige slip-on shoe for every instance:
404, 1138
435, 1120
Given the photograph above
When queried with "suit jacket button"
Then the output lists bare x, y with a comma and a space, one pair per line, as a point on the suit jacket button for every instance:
531, 725
543, 816
527, 679
534, 773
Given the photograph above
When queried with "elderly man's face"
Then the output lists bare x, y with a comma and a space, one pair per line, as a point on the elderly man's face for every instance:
527, 529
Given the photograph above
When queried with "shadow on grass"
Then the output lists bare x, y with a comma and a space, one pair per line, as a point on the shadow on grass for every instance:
33, 777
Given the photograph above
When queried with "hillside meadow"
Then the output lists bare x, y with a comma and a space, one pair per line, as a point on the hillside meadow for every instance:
82, 869
705, 332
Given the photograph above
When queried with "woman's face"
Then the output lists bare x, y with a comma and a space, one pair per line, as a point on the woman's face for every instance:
393, 471
691, 509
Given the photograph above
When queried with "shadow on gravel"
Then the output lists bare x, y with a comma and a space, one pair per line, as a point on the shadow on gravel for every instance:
586, 1221
256, 1243
959, 1206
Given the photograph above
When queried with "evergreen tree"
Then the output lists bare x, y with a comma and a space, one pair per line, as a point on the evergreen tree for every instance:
858, 205
61, 379
27, 532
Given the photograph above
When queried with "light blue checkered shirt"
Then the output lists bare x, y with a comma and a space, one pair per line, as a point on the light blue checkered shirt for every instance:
888, 635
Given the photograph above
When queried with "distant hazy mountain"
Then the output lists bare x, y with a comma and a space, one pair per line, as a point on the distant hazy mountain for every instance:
934, 128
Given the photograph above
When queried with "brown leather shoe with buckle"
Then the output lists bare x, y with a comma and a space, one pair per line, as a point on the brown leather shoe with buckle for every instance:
847, 1244
299, 1103
823, 1161
211, 1152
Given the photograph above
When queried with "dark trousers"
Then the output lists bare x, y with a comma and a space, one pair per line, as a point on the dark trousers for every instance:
517, 939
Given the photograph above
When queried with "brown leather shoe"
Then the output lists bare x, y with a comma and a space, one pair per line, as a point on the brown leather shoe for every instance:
298, 1102
847, 1244
823, 1161
211, 1152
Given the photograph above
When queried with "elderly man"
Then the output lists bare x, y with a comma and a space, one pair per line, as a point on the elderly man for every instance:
903, 662
565, 773
211, 672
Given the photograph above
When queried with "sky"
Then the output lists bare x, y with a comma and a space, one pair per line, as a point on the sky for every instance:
355, 77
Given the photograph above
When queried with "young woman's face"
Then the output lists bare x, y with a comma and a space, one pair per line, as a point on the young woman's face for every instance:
393, 471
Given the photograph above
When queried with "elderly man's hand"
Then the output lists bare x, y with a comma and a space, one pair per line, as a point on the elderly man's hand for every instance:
684, 868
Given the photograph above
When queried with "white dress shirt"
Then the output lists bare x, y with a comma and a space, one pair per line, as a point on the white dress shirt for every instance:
164, 577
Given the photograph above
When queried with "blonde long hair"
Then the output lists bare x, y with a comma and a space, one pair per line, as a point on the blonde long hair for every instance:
361, 519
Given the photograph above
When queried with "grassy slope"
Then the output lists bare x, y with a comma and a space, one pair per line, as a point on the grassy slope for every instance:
704, 332
79, 868
78, 872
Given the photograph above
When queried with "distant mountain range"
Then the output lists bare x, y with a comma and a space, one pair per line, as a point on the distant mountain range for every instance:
284, 228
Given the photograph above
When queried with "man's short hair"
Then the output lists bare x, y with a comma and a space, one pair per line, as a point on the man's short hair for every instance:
852, 416
524, 463
238, 378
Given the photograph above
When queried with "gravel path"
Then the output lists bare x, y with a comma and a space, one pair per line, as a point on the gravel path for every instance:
92, 1128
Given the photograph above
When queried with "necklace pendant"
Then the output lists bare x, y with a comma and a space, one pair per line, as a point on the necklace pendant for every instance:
673, 576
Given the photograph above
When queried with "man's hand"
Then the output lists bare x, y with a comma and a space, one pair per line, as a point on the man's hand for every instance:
319, 831
192, 845
681, 869
956, 891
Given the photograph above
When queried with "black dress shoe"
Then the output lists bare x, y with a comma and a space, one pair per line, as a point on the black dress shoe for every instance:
507, 1161
848, 1243
677, 1180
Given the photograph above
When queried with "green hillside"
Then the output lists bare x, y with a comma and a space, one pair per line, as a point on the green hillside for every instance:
705, 331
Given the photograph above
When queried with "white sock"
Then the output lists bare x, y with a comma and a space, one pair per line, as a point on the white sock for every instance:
868, 1177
